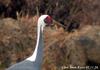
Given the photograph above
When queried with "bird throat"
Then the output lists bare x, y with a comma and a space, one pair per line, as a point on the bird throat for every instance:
37, 55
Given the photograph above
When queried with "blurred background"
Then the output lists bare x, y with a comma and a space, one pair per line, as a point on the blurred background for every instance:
73, 40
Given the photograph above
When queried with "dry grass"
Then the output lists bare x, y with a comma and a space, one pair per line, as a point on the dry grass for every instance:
18, 37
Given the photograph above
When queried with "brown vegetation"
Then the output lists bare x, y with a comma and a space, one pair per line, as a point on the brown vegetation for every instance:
18, 35
18, 38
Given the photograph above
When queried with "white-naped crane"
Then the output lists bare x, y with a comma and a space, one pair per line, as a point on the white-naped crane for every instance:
34, 62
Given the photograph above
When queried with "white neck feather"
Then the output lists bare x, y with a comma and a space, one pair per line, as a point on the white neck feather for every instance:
34, 55
38, 52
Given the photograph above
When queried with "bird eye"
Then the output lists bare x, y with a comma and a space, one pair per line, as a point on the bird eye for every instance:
48, 20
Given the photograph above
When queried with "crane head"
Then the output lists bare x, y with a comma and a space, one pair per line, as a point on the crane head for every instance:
45, 20
48, 20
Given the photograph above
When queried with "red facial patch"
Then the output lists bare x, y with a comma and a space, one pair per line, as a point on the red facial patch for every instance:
48, 20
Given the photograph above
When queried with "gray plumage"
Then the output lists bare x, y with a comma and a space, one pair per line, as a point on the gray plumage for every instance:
24, 65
